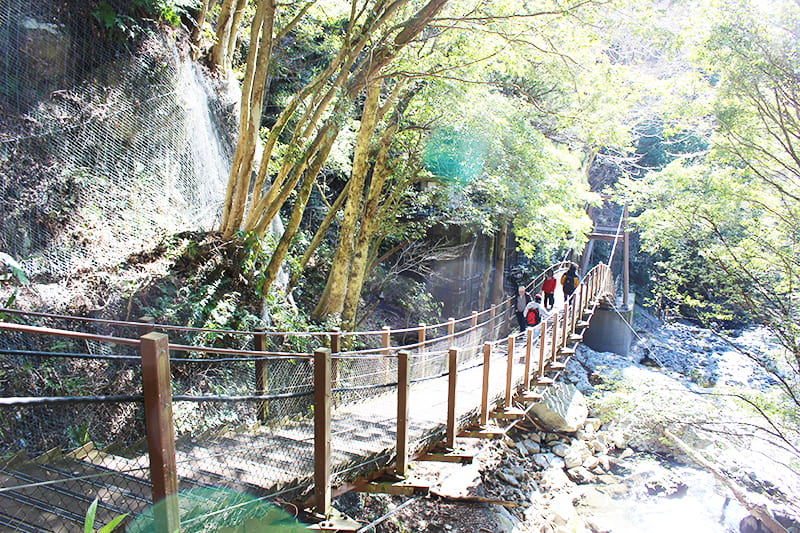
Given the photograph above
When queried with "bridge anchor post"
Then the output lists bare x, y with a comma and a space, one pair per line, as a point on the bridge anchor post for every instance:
157, 388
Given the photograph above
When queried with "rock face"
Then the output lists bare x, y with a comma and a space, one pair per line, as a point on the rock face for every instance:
46, 49
563, 408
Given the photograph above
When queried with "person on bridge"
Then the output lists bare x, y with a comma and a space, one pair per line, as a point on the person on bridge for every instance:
533, 311
518, 305
569, 281
549, 289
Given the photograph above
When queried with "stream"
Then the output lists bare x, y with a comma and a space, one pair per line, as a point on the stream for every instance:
698, 507
685, 391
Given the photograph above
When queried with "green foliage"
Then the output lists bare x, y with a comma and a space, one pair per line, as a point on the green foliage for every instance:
15, 271
124, 19
213, 285
78, 435
88, 523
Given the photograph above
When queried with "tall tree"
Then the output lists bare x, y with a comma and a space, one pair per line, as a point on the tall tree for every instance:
727, 227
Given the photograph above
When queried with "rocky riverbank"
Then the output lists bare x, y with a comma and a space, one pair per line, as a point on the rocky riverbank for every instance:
596, 457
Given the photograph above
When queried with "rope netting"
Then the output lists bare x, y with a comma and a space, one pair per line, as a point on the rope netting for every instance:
103, 145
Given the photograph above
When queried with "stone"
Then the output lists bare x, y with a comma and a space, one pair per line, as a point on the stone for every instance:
620, 442
598, 446
580, 475
533, 446
552, 437
663, 481
750, 524
542, 460
604, 462
591, 462
508, 478
576, 454
560, 449
562, 408
522, 448
562, 509
592, 425
627, 452
554, 479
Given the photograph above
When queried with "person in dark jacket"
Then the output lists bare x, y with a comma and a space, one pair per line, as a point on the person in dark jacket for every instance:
570, 281
518, 304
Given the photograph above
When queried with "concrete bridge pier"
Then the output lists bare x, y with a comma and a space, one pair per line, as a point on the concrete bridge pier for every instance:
609, 330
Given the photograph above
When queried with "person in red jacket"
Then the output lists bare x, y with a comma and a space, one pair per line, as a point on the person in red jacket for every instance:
549, 289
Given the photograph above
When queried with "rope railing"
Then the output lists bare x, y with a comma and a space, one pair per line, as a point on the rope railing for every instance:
496, 308
342, 378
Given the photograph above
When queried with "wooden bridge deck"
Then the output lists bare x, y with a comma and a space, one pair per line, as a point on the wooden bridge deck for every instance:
265, 461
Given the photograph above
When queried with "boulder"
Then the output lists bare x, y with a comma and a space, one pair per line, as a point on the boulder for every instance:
577, 454
560, 449
563, 408
580, 475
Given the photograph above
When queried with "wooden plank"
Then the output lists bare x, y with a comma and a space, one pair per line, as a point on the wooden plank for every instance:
510, 368
157, 388
322, 431
530, 397
403, 389
542, 342
526, 376
487, 359
452, 378
402, 487
509, 413
460, 457
486, 432
566, 351
260, 345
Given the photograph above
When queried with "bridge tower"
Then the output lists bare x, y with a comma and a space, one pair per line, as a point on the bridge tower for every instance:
610, 329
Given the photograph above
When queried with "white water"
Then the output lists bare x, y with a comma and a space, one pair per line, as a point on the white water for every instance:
208, 156
701, 509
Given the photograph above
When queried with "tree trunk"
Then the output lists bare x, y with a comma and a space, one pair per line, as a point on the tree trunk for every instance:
233, 34
366, 232
332, 300
253, 89
757, 510
487, 276
219, 51
279, 254
197, 31
319, 234
500, 265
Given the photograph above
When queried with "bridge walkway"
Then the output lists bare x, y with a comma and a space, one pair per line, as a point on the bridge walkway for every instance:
275, 458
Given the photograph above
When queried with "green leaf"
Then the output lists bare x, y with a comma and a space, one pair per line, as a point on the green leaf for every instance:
15, 267
108, 528
88, 523
105, 15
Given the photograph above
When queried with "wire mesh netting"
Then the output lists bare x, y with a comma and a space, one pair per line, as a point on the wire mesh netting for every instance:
103, 145
82, 439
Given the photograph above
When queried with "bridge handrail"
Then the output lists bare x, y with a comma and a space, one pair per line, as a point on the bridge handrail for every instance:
171, 327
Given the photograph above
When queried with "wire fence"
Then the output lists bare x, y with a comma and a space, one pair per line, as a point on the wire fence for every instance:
105, 143
244, 419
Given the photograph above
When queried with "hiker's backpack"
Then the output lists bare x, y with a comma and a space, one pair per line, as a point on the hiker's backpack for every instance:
533, 317
569, 283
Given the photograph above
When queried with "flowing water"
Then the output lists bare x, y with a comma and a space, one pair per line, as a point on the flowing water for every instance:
628, 508
210, 157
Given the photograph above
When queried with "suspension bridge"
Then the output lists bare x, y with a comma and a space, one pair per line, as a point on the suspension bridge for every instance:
284, 415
